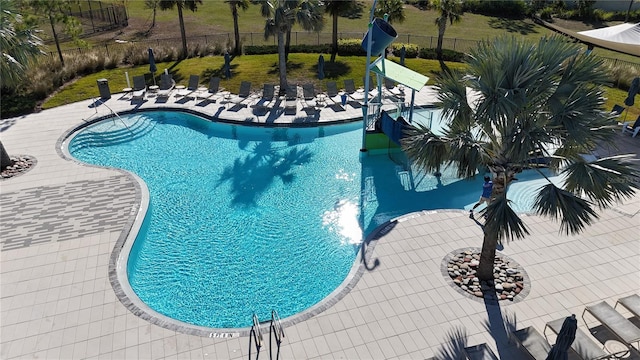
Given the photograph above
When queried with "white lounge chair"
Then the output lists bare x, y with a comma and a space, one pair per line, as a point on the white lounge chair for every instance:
621, 327
166, 86
309, 96
243, 94
582, 345
139, 88
266, 100
194, 81
631, 303
214, 89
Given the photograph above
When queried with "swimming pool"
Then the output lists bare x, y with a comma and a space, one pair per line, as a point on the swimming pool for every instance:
244, 220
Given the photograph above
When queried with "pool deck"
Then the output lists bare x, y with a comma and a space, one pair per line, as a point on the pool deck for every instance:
61, 221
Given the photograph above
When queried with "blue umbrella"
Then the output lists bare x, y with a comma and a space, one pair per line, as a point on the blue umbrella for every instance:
152, 65
403, 53
227, 65
565, 338
633, 90
321, 67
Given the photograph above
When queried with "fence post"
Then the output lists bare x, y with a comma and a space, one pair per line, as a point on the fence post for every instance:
318, 38
251, 37
454, 43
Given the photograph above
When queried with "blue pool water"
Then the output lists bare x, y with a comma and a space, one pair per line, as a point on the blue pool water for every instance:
244, 220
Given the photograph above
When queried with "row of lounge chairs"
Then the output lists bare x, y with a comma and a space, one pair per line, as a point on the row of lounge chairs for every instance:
309, 98
537, 347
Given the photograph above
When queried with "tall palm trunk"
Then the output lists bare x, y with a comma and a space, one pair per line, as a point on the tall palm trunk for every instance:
334, 38
501, 182
287, 45
55, 38
5, 160
282, 63
487, 255
236, 30
182, 31
442, 26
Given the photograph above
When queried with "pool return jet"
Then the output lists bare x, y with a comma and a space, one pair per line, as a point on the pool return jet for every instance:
379, 36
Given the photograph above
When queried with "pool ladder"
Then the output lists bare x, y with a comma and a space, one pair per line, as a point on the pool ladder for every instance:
276, 332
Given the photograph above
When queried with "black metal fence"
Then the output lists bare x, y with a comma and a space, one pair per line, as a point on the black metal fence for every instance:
225, 40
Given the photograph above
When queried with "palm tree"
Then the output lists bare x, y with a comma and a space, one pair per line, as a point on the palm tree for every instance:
393, 8
234, 5
335, 8
451, 11
281, 15
19, 46
530, 97
180, 4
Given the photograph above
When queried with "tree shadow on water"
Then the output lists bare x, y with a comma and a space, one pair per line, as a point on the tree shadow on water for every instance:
252, 175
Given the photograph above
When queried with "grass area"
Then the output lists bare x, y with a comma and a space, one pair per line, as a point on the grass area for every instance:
301, 68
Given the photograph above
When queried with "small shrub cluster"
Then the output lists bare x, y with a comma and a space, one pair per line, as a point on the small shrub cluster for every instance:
411, 50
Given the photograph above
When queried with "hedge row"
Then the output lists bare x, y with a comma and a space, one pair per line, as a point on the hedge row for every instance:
352, 47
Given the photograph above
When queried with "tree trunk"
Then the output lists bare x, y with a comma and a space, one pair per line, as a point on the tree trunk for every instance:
5, 160
487, 256
282, 63
55, 37
442, 26
287, 46
236, 31
182, 32
334, 38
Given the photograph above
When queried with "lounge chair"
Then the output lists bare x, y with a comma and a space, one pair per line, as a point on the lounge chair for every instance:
633, 129
139, 87
582, 345
243, 94
332, 91
214, 88
631, 302
621, 327
291, 100
194, 81
166, 86
350, 89
309, 96
532, 342
479, 352
617, 109
266, 100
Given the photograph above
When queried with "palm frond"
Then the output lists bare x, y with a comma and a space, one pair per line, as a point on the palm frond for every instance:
427, 150
573, 212
502, 220
604, 181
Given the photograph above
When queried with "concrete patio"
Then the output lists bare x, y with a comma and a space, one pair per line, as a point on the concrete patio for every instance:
61, 221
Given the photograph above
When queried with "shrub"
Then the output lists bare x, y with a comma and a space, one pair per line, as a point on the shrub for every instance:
351, 47
546, 14
447, 55
411, 50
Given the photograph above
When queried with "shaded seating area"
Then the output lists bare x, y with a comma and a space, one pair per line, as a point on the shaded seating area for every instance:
582, 345
632, 128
